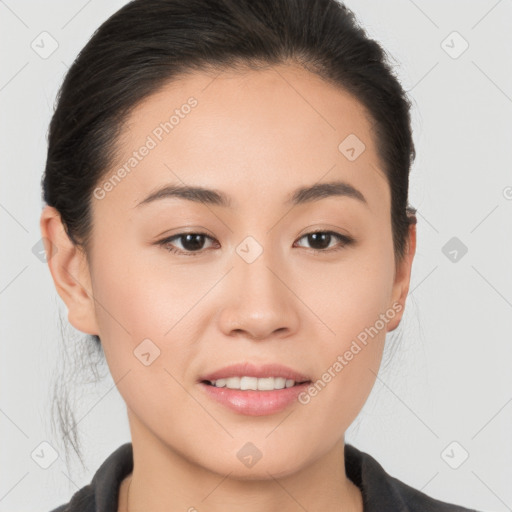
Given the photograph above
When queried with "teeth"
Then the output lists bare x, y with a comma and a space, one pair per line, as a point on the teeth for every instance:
244, 383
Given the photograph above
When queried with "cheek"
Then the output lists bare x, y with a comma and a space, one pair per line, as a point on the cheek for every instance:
139, 312
137, 289
349, 295
354, 303
144, 332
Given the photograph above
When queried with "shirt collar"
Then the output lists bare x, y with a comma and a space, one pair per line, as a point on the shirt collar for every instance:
380, 491
378, 488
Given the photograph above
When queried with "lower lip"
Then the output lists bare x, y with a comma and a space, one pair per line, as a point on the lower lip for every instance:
255, 403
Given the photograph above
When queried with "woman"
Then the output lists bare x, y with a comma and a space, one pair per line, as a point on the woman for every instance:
227, 216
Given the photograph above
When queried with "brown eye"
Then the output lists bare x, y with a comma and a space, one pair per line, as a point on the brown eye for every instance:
320, 240
191, 243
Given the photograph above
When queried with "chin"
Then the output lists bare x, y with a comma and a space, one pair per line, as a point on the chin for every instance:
277, 466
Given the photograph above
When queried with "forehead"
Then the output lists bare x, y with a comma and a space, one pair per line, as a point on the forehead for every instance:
257, 135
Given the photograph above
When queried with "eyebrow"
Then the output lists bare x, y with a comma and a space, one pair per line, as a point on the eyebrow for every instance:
215, 197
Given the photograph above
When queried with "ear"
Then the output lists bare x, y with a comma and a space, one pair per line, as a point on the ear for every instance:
403, 279
70, 272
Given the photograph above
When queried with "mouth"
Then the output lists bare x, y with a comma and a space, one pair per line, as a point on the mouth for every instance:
245, 382
254, 390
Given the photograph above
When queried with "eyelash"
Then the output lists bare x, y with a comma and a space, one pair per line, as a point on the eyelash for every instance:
344, 239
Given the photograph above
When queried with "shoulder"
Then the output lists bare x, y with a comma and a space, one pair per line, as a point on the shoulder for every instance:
417, 501
382, 492
82, 501
102, 493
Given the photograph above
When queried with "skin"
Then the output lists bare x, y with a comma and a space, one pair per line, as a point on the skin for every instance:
256, 136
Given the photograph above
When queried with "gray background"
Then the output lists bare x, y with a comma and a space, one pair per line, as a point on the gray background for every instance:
450, 380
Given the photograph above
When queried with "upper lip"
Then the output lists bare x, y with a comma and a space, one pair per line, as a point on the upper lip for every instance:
259, 371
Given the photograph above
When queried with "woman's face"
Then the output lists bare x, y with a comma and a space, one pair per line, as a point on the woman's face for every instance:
252, 289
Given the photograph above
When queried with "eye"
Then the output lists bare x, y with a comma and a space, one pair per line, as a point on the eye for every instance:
193, 243
322, 240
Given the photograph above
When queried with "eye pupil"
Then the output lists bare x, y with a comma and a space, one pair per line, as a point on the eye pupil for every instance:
197, 241
193, 243
323, 236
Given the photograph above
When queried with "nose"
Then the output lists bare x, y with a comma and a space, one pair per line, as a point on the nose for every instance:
259, 301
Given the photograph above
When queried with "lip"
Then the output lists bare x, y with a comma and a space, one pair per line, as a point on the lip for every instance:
255, 402
259, 371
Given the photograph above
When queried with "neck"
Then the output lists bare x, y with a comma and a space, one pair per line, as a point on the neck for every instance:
162, 479
170, 492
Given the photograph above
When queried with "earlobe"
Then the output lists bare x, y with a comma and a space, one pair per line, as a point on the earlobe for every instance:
403, 278
70, 271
